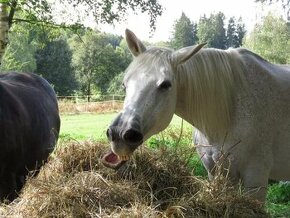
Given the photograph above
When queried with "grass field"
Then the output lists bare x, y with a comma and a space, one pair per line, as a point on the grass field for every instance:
86, 126
94, 126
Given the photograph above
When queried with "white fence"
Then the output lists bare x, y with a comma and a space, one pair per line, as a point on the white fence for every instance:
91, 98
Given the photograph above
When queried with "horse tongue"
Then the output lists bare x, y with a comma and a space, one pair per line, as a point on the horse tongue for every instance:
111, 160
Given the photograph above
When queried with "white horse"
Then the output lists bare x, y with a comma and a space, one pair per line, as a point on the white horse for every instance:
238, 102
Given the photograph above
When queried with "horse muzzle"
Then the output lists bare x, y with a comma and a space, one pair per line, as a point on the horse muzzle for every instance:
128, 140
126, 129
123, 143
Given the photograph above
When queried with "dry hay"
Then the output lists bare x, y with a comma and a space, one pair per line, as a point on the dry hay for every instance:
74, 183
68, 107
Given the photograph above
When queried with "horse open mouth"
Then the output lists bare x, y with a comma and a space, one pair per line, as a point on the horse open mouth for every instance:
114, 161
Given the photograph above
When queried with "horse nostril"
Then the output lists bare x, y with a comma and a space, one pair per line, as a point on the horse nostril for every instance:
133, 136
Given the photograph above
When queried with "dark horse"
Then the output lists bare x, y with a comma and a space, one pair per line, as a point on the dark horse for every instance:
29, 128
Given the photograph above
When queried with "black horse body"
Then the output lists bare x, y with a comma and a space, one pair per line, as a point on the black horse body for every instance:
29, 128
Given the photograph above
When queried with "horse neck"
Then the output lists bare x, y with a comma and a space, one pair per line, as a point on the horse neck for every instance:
205, 89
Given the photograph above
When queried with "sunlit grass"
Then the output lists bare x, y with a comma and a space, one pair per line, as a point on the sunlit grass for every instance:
94, 126
85, 126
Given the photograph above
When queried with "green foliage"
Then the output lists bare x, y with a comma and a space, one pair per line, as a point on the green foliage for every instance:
184, 33
235, 33
96, 62
97, 57
44, 12
278, 210
105, 11
231, 36
115, 86
124, 51
271, 40
197, 166
208, 30
162, 140
240, 31
279, 193
284, 3
278, 200
163, 44
19, 55
211, 30
53, 62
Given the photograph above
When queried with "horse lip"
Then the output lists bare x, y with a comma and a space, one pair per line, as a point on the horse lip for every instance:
115, 165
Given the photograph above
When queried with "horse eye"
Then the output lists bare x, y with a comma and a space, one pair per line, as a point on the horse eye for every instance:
164, 85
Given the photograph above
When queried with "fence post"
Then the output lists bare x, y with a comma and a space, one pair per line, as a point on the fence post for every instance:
113, 102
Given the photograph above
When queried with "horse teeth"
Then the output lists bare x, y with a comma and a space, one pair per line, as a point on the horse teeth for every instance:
124, 157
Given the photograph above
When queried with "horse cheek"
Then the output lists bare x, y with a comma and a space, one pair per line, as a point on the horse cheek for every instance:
165, 113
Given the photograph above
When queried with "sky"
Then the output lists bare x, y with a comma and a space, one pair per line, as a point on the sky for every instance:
250, 12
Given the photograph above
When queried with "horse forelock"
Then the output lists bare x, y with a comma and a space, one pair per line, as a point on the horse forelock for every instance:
208, 81
149, 61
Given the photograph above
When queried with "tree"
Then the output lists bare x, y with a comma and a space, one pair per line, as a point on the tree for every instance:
125, 54
42, 13
21, 50
241, 31
96, 62
115, 86
184, 32
284, 3
232, 37
25, 39
235, 33
211, 30
54, 63
4, 27
271, 39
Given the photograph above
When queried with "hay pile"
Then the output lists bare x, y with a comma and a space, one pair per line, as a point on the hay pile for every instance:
74, 183
67, 107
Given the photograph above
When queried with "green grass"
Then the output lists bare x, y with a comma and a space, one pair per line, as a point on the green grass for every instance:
94, 126
278, 199
85, 126
278, 210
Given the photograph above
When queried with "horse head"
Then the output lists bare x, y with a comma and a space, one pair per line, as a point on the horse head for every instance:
150, 101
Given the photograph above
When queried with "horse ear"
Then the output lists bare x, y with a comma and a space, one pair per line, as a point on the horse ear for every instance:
135, 45
182, 55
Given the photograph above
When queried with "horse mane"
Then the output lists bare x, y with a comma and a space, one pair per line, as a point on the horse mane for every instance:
211, 78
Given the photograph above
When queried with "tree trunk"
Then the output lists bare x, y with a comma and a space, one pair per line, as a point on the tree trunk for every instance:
4, 27
89, 92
